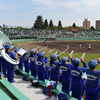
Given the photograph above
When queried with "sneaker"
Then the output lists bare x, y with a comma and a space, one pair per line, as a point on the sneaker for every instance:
12, 82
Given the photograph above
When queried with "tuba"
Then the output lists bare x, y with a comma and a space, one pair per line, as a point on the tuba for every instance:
5, 40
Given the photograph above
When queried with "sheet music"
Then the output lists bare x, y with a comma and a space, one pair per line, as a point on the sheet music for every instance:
21, 51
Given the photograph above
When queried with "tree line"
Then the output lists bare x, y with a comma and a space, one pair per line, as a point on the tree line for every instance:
44, 24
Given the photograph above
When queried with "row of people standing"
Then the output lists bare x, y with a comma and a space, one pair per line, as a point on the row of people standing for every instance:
71, 72
72, 77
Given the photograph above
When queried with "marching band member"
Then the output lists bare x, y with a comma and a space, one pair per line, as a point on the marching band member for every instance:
41, 63
1, 65
26, 64
21, 62
92, 86
4, 64
54, 65
33, 66
47, 73
77, 82
10, 67
66, 75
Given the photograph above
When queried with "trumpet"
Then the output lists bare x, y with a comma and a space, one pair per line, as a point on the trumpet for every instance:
63, 51
47, 52
50, 51
71, 52
37, 48
57, 52
83, 55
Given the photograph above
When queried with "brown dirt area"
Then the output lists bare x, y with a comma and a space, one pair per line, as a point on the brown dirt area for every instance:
62, 45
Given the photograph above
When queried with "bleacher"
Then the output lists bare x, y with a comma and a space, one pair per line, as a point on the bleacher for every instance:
50, 34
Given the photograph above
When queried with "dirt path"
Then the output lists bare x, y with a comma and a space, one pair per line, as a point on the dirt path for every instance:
62, 45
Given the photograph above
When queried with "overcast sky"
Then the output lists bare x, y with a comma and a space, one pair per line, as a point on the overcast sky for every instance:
24, 12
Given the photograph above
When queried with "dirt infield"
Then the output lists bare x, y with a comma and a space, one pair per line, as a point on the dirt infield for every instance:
77, 46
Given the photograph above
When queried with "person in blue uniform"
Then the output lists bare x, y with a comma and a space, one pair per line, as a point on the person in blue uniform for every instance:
54, 65
77, 82
47, 73
1, 67
10, 67
26, 64
66, 76
32, 60
92, 86
41, 63
4, 65
21, 62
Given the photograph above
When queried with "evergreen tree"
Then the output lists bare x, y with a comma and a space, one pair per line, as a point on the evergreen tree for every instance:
59, 24
51, 24
45, 23
92, 28
39, 22
74, 25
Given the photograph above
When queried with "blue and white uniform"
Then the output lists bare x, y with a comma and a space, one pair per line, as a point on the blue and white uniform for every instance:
33, 66
92, 86
66, 75
26, 63
1, 66
4, 65
21, 62
77, 82
47, 73
41, 63
54, 65
10, 70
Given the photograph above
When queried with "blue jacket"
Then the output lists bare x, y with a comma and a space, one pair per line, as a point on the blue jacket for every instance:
41, 63
55, 68
78, 71
25, 57
21, 60
92, 78
32, 60
66, 71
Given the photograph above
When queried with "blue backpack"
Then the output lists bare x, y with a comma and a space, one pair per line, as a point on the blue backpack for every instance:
61, 96
45, 90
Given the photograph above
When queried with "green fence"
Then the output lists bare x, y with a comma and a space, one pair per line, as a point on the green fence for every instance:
24, 40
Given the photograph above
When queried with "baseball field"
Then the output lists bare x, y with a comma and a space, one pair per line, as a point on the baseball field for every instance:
79, 48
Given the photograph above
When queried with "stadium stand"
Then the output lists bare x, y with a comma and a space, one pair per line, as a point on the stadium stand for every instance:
51, 34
